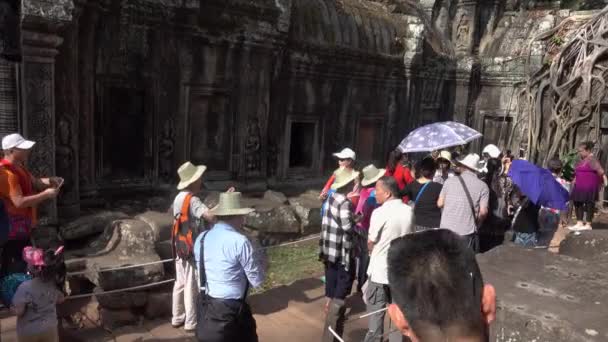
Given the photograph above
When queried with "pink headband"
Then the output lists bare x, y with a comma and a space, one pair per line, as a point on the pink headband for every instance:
35, 256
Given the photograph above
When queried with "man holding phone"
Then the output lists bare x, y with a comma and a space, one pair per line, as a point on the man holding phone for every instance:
21, 193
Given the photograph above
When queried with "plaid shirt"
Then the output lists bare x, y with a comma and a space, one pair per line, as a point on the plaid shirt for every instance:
335, 245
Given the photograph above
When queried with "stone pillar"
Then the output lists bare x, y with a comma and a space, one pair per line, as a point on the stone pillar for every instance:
41, 19
9, 120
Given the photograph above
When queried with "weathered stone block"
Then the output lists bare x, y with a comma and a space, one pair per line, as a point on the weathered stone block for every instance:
135, 245
546, 297
89, 225
275, 196
271, 217
308, 208
113, 319
159, 305
121, 300
161, 223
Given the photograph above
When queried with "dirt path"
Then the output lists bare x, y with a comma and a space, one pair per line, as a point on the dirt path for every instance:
287, 313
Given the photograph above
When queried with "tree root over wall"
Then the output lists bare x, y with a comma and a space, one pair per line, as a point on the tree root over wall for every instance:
567, 92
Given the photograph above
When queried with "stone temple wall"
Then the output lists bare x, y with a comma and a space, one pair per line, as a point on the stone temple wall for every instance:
119, 93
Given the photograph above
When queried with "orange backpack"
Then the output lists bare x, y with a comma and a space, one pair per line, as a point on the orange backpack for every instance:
183, 242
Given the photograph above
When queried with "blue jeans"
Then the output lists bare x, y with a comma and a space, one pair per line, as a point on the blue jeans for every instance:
526, 239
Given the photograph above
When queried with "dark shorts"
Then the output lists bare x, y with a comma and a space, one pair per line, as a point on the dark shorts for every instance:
339, 281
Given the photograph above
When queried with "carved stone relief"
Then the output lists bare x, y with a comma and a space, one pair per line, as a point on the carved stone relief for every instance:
253, 146
166, 151
463, 33
65, 158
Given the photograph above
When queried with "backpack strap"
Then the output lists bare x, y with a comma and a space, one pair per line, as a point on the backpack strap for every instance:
181, 218
184, 214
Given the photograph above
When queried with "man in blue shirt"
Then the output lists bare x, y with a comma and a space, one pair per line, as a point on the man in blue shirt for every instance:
227, 266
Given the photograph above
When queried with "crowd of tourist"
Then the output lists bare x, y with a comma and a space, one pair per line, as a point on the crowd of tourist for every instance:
443, 203
407, 234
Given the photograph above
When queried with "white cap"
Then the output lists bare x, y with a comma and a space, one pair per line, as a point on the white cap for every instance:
346, 153
492, 150
15, 140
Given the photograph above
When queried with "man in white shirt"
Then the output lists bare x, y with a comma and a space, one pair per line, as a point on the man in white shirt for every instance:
392, 220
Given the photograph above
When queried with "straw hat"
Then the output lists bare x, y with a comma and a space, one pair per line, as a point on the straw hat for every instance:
230, 205
188, 174
445, 155
371, 174
470, 161
343, 178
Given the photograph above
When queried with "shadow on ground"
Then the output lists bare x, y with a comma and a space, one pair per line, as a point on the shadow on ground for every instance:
277, 299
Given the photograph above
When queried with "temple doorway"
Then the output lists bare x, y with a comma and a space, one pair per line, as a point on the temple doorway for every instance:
125, 124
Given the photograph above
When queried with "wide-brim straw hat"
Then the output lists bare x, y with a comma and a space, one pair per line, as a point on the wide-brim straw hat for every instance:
230, 205
445, 155
371, 174
343, 178
189, 173
471, 162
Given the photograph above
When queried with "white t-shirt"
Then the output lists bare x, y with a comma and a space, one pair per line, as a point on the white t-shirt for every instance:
392, 220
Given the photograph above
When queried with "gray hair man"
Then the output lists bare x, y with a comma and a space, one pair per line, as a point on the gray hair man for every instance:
392, 220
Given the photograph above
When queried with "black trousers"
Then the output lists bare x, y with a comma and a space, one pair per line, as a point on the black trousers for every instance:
339, 281
584, 207
224, 320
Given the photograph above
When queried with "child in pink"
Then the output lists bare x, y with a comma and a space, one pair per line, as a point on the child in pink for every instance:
36, 300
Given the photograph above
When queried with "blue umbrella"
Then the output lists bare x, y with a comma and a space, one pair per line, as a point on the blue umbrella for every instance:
539, 185
437, 136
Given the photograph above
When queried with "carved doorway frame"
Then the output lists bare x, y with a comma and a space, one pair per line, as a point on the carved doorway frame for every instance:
150, 89
191, 90
298, 172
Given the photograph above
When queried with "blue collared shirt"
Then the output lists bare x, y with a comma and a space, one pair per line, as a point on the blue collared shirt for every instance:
229, 262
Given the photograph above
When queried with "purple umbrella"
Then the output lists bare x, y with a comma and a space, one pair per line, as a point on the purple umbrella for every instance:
539, 185
438, 136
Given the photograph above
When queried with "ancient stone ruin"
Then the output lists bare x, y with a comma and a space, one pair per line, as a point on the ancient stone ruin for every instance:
119, 93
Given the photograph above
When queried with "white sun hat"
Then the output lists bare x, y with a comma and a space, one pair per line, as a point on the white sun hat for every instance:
492, 150
346, 153
471, 161
188, 174
16, 140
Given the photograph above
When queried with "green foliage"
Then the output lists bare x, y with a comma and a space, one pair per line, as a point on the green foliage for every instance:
569, 162
557, 40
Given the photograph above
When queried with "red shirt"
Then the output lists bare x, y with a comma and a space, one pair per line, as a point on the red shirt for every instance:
403, 176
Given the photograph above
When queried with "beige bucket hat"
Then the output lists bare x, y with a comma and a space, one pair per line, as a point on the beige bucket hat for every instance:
343, 178
189, 173
445, 155
230, 205
371, 174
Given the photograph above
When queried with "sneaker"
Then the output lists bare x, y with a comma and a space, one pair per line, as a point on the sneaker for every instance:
585, 227
576, 227
177, 325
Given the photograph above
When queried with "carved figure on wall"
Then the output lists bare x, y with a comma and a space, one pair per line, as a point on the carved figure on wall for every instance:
253, 145
166, 149
273, 159
65, 155
462, 33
